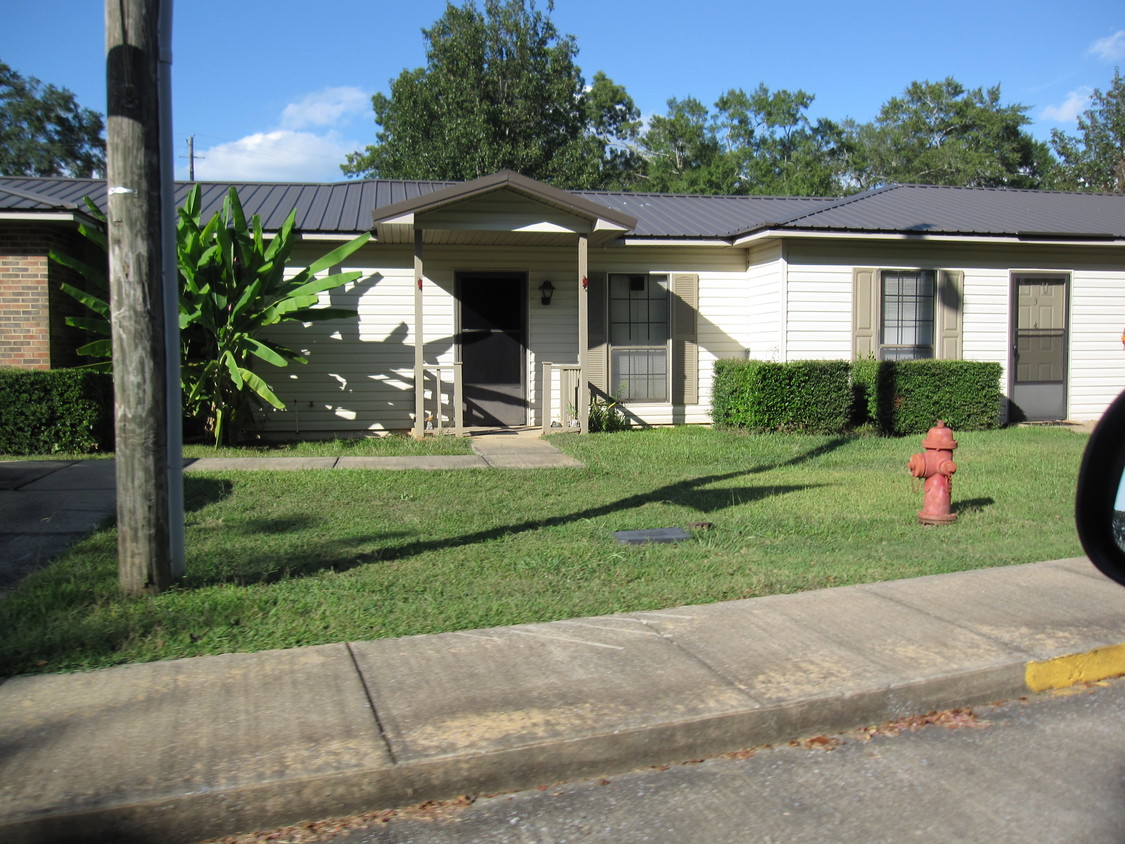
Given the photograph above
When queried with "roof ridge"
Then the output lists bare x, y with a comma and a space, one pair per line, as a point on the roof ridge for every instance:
842, 202
738, 196
45, 199
1007, 189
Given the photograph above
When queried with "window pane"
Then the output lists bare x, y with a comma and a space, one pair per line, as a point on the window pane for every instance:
908, 313
639, 374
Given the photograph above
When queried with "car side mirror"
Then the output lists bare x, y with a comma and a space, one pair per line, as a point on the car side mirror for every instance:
1099, 507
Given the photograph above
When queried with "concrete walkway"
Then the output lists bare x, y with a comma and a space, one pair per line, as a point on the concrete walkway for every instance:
45, 507
497, 448
186, 749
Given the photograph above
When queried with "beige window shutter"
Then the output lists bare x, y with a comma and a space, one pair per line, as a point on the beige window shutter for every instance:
685, 343
597, 355
865, 312
951, 310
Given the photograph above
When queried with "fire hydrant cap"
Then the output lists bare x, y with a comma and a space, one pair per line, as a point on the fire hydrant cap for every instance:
940, 437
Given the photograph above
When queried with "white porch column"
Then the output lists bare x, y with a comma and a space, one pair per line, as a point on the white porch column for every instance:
419, 342
583, 409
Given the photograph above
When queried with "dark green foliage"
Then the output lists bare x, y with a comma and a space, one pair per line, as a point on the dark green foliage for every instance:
1095, 158
500, 90
55, 411
893, 397
942, 133
757, 143
809, 396
909, 397
44, 132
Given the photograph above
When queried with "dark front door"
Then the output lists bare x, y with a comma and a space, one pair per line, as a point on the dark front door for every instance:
492, 342
1039, 368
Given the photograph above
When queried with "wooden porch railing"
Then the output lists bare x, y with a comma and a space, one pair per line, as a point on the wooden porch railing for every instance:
563, 380
442, 401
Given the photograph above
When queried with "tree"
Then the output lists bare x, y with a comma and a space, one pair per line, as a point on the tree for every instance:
1095, 160
759, 143
780, 151
683, 153
941, 133
44, 132
233, 285
500, 90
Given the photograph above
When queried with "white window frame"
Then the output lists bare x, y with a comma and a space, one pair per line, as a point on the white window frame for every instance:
908, 351
665, 348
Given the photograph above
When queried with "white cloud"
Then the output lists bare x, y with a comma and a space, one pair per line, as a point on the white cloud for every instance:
306, 146
1069, 109
1111, 48
279, 156
325, 108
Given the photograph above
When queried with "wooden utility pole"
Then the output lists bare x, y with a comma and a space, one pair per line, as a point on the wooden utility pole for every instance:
192, 157
138, 299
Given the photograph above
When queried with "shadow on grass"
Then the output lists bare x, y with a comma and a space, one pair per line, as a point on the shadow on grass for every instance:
346, 553
972, 505
334, 556
199, 492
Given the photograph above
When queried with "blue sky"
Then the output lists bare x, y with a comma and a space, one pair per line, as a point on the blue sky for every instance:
280, 90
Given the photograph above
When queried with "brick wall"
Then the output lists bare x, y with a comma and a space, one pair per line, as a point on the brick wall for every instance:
33, 308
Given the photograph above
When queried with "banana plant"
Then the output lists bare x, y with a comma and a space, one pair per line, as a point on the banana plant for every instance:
233, 286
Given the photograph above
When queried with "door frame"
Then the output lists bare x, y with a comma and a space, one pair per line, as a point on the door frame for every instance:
522, 276
1033, 276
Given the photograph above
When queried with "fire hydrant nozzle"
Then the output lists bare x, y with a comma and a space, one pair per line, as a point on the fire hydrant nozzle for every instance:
936, 466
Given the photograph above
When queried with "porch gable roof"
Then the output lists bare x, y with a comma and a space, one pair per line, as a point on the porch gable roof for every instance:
437, 209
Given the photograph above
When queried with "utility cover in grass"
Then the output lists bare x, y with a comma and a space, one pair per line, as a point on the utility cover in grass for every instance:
640, 537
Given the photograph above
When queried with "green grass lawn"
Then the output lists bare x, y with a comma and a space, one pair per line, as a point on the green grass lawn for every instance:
281, 559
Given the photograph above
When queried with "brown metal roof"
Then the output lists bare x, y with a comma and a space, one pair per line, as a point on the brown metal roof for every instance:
348, 207
930, 209
674, 216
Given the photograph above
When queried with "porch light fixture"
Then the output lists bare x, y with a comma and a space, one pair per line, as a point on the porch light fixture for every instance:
546, 291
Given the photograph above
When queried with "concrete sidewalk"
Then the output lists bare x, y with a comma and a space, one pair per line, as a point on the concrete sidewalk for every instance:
186, 749
521, 448
45, 507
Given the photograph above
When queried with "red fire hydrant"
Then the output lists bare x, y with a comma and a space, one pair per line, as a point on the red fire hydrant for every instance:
937, 467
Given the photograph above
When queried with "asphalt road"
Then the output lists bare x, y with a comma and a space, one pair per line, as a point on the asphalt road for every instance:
1047, 768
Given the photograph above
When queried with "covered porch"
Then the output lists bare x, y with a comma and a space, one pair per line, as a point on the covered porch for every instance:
520, 348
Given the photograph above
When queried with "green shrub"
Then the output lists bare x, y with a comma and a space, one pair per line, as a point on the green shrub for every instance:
812, 396
910, 396
606, 416
55, 411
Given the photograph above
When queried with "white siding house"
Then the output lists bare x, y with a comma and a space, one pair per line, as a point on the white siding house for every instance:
648, 291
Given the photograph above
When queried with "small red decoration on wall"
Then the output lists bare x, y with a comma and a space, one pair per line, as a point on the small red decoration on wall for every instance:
585, 282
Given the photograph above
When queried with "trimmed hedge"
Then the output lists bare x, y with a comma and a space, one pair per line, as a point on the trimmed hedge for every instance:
894, 397
810, 396
910, 396
55, 411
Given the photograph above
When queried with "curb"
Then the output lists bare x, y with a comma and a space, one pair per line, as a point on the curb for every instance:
194, 816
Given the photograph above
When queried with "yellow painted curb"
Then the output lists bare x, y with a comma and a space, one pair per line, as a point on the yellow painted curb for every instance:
1065, 671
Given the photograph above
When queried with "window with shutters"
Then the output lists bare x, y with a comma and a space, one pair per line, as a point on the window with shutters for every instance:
639, 336
907, 310
904, 314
